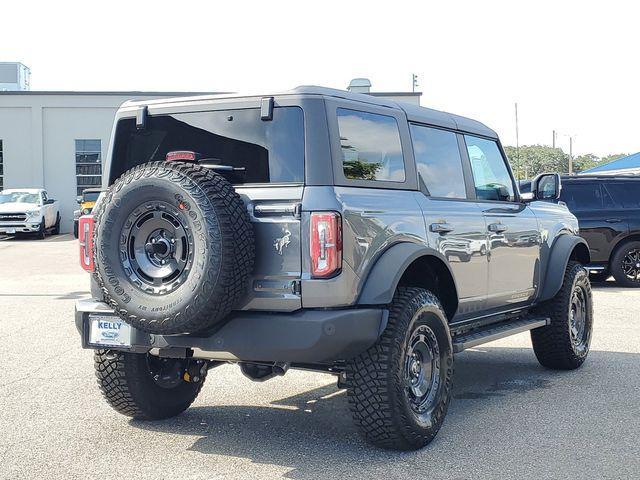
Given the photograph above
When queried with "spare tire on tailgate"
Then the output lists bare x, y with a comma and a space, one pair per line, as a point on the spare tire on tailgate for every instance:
174, 247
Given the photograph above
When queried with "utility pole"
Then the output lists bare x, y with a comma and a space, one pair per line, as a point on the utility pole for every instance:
570, 155
517, 147
414, 82
554, 139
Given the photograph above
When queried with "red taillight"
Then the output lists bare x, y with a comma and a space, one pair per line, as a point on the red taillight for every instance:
326, 244
85, 236
183, 155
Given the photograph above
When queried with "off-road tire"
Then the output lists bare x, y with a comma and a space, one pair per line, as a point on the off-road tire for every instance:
552, 344
223, 247
375, 379
616, 264
128, 387
75, 229
56, 227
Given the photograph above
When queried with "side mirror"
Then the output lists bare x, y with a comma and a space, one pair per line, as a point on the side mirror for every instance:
49, 201
546, 186
79, 199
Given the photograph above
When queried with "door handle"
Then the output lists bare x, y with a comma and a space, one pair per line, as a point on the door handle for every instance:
497, 227
440, 227
613, 220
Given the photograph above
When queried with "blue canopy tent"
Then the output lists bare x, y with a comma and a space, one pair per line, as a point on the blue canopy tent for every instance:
625, 165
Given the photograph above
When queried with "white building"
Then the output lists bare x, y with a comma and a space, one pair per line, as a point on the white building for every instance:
57, 140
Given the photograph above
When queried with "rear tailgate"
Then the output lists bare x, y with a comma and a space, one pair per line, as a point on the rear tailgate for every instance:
275, 214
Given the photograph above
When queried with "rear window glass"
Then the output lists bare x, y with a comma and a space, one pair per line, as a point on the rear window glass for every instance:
585, 196
260, 151
370, 146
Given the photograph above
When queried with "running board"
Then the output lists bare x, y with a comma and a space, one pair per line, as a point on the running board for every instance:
496, 331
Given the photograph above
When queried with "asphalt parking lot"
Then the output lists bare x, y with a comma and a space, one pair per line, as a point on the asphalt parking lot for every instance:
509, 417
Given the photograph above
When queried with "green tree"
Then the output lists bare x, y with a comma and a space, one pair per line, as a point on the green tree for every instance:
532, 160
359, 170
583, 162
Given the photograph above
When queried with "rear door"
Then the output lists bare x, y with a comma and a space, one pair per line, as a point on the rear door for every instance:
454, 222
626, 197
511, 226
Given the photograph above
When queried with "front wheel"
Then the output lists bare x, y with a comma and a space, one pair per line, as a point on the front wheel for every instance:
56, 227
564, 343
399, 389
40, 234
147, 387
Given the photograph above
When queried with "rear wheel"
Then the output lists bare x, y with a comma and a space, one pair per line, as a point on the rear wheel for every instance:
399, 390
625, 264
147, 387
564, 343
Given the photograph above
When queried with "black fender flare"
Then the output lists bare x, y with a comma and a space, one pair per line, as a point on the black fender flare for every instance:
383, 278
559, 257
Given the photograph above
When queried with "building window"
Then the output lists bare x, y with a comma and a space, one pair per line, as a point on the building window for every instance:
1, 168
88, 164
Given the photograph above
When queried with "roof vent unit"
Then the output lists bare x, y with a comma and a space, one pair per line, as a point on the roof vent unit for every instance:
14, 76
360, 85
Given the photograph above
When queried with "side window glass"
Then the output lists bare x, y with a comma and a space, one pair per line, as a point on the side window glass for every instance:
370, 146
582, 196
490, 174
439, 162
625, 194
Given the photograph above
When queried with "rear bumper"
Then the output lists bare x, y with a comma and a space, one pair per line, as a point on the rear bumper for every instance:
305, 336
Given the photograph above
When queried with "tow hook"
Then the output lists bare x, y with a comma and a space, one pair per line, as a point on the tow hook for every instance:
195, 371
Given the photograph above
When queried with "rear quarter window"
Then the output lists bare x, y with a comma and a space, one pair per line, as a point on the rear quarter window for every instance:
370, 146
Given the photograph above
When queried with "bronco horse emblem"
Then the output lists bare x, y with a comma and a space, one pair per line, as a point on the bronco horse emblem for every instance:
282, 242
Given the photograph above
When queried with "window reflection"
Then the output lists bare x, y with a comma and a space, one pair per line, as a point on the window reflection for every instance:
370, 145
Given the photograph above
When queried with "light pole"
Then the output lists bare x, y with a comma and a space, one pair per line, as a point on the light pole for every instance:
571, 137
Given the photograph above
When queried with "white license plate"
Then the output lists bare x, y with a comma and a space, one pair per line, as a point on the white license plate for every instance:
10, 230
109, 331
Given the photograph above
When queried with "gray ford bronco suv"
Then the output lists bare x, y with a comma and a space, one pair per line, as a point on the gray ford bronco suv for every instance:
322, 230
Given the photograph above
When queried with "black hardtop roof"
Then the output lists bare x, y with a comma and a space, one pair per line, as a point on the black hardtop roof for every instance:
414, 113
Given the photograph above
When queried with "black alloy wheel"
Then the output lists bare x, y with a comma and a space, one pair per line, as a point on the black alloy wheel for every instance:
158, 248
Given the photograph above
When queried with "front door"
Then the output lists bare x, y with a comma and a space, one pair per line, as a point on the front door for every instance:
511, 227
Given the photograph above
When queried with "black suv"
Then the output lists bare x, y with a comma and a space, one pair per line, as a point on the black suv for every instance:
608, 211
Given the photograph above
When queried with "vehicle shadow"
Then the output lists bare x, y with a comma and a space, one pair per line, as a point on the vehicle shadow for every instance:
610, 286
496, 391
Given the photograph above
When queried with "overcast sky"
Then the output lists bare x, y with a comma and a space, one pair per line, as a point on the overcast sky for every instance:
571, 66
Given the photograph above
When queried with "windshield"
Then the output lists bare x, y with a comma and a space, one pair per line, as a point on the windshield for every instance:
90, 196
19, 197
